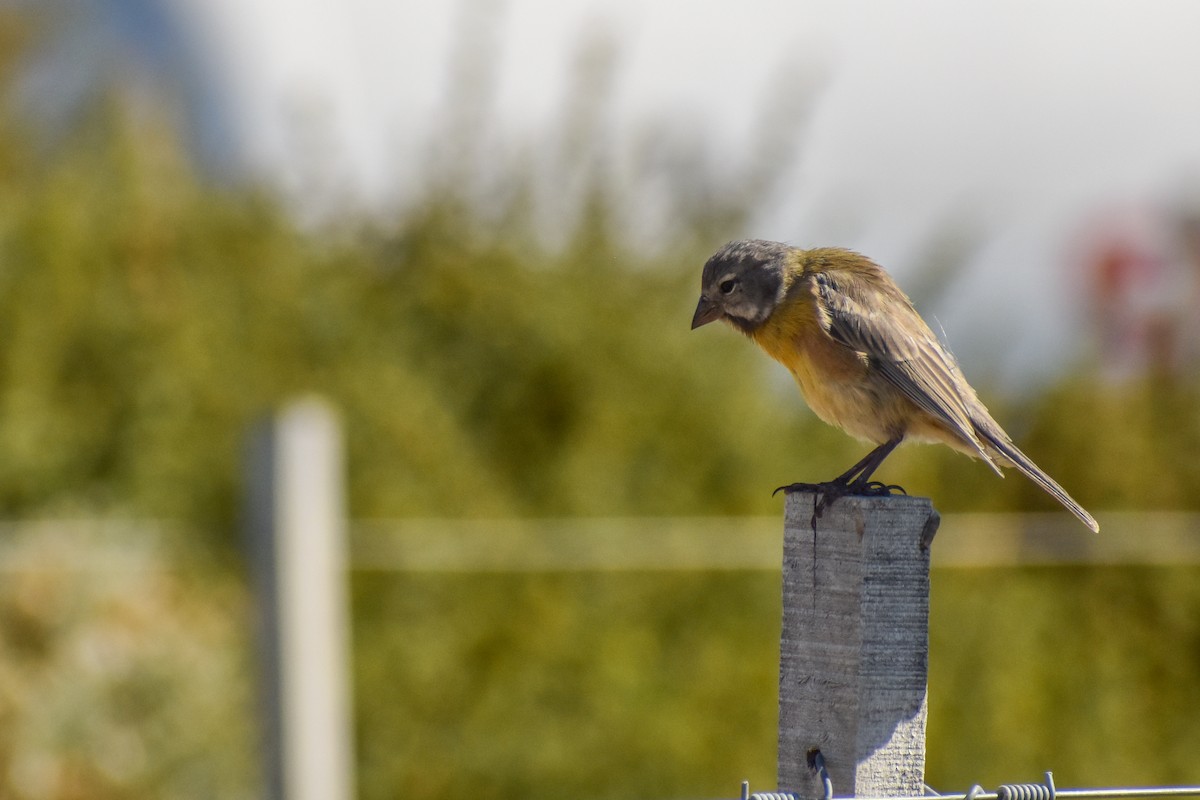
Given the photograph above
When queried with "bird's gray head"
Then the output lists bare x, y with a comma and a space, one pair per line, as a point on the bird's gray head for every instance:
742, 283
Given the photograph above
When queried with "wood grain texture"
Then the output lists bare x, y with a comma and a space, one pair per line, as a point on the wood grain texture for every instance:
854, 647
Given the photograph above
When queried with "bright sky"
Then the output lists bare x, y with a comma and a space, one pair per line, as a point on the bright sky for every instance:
1028, 114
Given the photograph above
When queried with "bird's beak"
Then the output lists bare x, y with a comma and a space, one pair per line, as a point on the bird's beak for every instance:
706, 311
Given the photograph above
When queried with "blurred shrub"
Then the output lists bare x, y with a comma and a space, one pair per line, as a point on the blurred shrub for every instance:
484, 366
566, 685
125, 673
123, 668
147, 317
657, 684
1089, 672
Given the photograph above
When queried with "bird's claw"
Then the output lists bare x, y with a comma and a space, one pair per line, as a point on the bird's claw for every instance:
877, 489
855, 489
811, 488
831, 491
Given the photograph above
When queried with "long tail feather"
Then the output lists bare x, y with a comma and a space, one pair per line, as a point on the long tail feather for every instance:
1031, 470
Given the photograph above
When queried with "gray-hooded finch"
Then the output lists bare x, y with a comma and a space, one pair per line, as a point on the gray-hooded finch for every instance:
864, 359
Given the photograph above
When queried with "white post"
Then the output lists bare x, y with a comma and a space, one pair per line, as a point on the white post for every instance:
296, 520
854, 649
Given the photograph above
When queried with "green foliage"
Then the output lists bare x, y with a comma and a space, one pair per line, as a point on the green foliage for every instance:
146, 320
124, 668
664, 685
136, 680
566, 685
1088, 672
1124, 445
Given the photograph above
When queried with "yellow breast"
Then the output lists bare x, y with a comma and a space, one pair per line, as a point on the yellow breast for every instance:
832, 378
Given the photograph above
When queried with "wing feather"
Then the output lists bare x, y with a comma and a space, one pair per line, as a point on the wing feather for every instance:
892, 335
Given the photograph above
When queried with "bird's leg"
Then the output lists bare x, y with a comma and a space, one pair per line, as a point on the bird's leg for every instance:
854, 481
865, 468
858, 478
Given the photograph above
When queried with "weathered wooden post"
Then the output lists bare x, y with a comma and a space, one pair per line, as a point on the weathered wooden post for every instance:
854, 650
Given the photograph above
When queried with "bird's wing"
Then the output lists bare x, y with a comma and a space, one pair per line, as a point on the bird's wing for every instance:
876, 319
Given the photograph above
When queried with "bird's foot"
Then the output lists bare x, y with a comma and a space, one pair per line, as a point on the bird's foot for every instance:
841, 489
810, 488
876, 489
825, 494
832, 491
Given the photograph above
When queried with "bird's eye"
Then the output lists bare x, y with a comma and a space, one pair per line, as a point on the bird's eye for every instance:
726, 286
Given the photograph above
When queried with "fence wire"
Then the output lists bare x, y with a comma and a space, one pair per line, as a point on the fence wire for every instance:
751, 543
1007, 791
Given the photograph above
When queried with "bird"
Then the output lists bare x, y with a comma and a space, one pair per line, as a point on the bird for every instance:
864, 359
